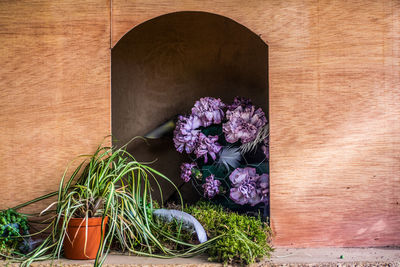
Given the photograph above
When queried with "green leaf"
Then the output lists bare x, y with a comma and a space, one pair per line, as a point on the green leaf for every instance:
217, 170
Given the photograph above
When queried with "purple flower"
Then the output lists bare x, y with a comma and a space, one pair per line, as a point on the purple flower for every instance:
185, 134
211, 187
243, 124
239, 175
207, 145
245, 193
186, 171
248, 187
240, 101
208, 110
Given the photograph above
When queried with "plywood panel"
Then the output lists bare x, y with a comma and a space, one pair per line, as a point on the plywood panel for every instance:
54, 91
334, 111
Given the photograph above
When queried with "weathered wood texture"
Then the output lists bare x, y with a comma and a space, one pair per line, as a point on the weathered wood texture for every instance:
54, 91
334, 104
334, 112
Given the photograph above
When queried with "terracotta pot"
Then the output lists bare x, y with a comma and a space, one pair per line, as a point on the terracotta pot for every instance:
76, 230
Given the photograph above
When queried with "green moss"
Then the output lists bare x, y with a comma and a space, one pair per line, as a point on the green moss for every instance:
243, 239
174, 230
239, 239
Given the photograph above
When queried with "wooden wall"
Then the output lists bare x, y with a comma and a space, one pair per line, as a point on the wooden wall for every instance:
334, 104
334, 111
54, 91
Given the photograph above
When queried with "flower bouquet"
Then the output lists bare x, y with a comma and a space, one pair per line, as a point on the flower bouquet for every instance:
228, 150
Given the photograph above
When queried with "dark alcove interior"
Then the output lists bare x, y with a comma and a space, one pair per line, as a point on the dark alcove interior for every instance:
161, 67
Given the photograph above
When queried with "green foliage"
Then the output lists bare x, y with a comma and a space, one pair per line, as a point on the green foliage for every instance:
12, 226
217, 170
110, 183
169, 232
243, 239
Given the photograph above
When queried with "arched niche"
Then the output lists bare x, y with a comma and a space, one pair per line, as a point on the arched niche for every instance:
162, 66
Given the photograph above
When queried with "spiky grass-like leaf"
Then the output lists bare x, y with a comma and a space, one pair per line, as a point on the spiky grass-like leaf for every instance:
111, 181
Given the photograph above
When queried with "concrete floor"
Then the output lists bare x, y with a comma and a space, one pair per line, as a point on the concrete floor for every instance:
281, 257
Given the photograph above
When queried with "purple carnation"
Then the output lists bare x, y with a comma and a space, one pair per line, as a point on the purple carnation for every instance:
207, 145
185, 134
241, 174
243, 124
245, 193
211, 187
240, 101
186, 171
248, 187
208, 110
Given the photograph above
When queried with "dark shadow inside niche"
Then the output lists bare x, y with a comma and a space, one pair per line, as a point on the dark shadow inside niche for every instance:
161, 67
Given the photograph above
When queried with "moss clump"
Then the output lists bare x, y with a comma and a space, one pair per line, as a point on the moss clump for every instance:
243, 239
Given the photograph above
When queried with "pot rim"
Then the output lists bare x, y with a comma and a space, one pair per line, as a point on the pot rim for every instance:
91, 222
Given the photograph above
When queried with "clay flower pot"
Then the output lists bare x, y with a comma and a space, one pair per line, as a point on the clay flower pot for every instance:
74, 247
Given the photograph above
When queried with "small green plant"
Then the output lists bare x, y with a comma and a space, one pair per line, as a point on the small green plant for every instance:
243, 239
12, 226
109, 183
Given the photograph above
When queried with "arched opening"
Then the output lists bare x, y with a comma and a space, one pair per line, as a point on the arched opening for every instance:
161, 67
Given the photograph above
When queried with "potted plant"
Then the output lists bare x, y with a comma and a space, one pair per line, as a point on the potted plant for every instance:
80, 218
113, 189
85, 228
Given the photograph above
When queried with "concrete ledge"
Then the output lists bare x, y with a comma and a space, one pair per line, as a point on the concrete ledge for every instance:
384, 256
281, 257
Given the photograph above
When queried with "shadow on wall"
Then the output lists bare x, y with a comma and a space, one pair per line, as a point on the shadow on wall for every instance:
161, 67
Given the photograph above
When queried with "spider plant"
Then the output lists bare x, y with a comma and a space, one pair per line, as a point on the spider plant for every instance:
109, 183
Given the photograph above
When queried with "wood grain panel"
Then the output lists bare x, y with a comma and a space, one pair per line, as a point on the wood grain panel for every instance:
54, 91
334, 111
